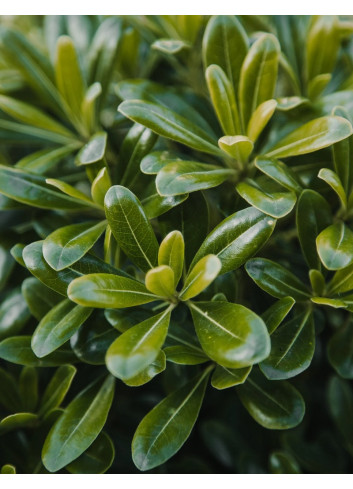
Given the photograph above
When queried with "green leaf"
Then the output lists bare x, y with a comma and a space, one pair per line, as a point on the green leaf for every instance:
30, 115
325, 301
93, 151
96, 459
16, 253
152, 163
131, 227
182, 177
342, 152
185, 355
68, 75
201, 275
312, 136
105, 290
332, 179
100, 186
67, 245
275, 314
276, 280
274, 405
33, 190
68, 189
34, 260
17, 421
258, 75
237, 238
123, 320
233, 343
340, 351
282, 462
160, 281
164, 430
275, 204
57, 389
260, 118
224, 378
169, 46
238, 147
149, 372
279, 172
317, 281
171, 254
169, 124
155, 205
334, 246
45, 160
8, 469
292, 347
58, 326
39, 298
17, 349
313, 215
138, 347
225, 44
14, 314
342, 281
79, 425
223, 99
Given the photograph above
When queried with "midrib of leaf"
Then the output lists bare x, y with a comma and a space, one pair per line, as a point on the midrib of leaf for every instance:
91, 409
133, 234
150, 331
300, 141
62, 325
78, 236
267, 395
124, 291
302, 324
341, 282
191, 304
36, 132
145, 461
239, 236
291, 287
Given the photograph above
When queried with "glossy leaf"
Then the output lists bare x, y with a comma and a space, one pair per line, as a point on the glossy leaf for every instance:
57, 389
171, 254
79, 425
148, 373
238, 147
334, 245
292, 347
282, 462
276, 280
96, 459
258, 75
224, 378
185, 355
160, 281
223, 99
169, 124
275, 204
312, 136
34, 260
106, 290
57, 327
332, 179
237, 238
100, 186
139, 346
260, 118
313, 215
93, 151
40, 299
225, 44
16, 421
279, 172
8, 469
182, 177
275, 314
33, 190
165, 429
131, 227
155, 204
274, 405
342, 281
67, 245
14, 314
232, 343
201, 275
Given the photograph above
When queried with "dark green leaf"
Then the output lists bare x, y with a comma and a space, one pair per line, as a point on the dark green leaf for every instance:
334, 246
340, 351
224, 378
79, 425
166, 428
14, 314
279, 172
16, 421
28, 387
39, 298
96, 459
185, 355
275, 314
57, 389
149, 372
131, 227
282, 462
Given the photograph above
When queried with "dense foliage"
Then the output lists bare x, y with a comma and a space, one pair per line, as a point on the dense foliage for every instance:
176, 244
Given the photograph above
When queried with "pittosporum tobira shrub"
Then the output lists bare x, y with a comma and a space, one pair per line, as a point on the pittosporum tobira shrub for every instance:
176, 220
